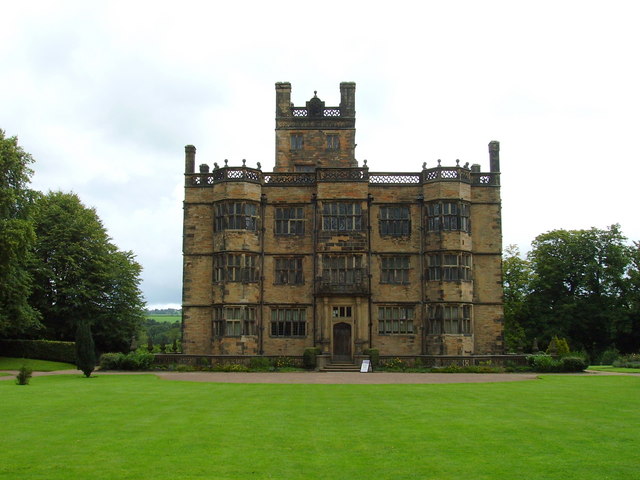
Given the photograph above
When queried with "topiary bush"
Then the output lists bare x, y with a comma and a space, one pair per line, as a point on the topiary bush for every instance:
85, 349
572, 364
309, 360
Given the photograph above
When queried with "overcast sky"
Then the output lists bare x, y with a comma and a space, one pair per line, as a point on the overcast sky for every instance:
105, 95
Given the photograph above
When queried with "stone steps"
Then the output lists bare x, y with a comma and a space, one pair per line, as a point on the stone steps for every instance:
340, 367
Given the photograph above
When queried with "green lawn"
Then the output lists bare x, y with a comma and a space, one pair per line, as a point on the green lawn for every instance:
141, 427
165, 318
609, 368
9, 363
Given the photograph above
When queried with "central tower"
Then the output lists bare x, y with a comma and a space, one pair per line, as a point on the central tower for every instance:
315, 135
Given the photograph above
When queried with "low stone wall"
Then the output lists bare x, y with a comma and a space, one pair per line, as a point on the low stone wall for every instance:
459, 360
208, 361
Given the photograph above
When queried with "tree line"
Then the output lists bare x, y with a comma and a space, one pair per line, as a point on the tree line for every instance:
58, 265
581, 285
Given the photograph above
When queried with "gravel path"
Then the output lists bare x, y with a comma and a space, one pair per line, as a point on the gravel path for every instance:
314, 377
377, 378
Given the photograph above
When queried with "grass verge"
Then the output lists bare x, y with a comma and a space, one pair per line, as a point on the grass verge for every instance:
609, 368
11, 363
569, 427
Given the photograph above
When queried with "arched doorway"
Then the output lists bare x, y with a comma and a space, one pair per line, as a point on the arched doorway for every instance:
342, 342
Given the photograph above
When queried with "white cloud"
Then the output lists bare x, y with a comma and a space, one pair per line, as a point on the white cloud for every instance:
106, 95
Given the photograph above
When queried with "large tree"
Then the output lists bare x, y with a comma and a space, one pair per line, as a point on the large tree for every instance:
516, 274
578, 287
16, 239
81, 276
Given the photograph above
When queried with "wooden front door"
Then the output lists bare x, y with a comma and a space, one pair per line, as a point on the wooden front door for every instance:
342, 342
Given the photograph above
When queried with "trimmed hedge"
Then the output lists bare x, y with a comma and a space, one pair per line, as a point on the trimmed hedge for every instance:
130, 361
547, 364
40, 349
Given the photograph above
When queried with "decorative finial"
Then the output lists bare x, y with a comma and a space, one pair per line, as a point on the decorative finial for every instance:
457, 162
315, 93
424, 165
439, 162
466, 165
244, 162
215, 165
226, 162
259, 166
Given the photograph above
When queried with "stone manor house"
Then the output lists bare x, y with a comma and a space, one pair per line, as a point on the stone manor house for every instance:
321, 252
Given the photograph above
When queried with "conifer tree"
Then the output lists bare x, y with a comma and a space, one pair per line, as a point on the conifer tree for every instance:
85, 349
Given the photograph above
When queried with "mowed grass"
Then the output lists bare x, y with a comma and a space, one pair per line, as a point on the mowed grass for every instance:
610, 368
141, 427
165, 318
10, 363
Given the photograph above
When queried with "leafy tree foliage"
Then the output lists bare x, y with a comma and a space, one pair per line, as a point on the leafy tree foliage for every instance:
16, 239
577, 285
516, 281
80, 274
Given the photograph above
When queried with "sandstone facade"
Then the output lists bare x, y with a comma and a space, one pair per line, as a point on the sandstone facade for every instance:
323, 253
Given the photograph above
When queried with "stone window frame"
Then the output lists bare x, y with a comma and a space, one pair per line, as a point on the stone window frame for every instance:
333, 141
234, 320
342, 311
342, 217
235, 215
449, 267
288, 322
296, 142
392, 222
444, 215
394, 269
450, 319
396, 319
235, 267
343, 269
288, 270
289, 220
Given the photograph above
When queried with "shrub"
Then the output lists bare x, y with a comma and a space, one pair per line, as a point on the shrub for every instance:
374, 355
130, 361
111, 361
41, 349
24, 375
543, 363
558, 346
260, 364
309, 360
628, 361
609, 356
572, 364
283, 362
395, 365
230, 367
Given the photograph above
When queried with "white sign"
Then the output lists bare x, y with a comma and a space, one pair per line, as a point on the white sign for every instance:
366, 366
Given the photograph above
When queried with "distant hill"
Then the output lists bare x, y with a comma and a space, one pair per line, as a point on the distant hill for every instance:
164, 311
